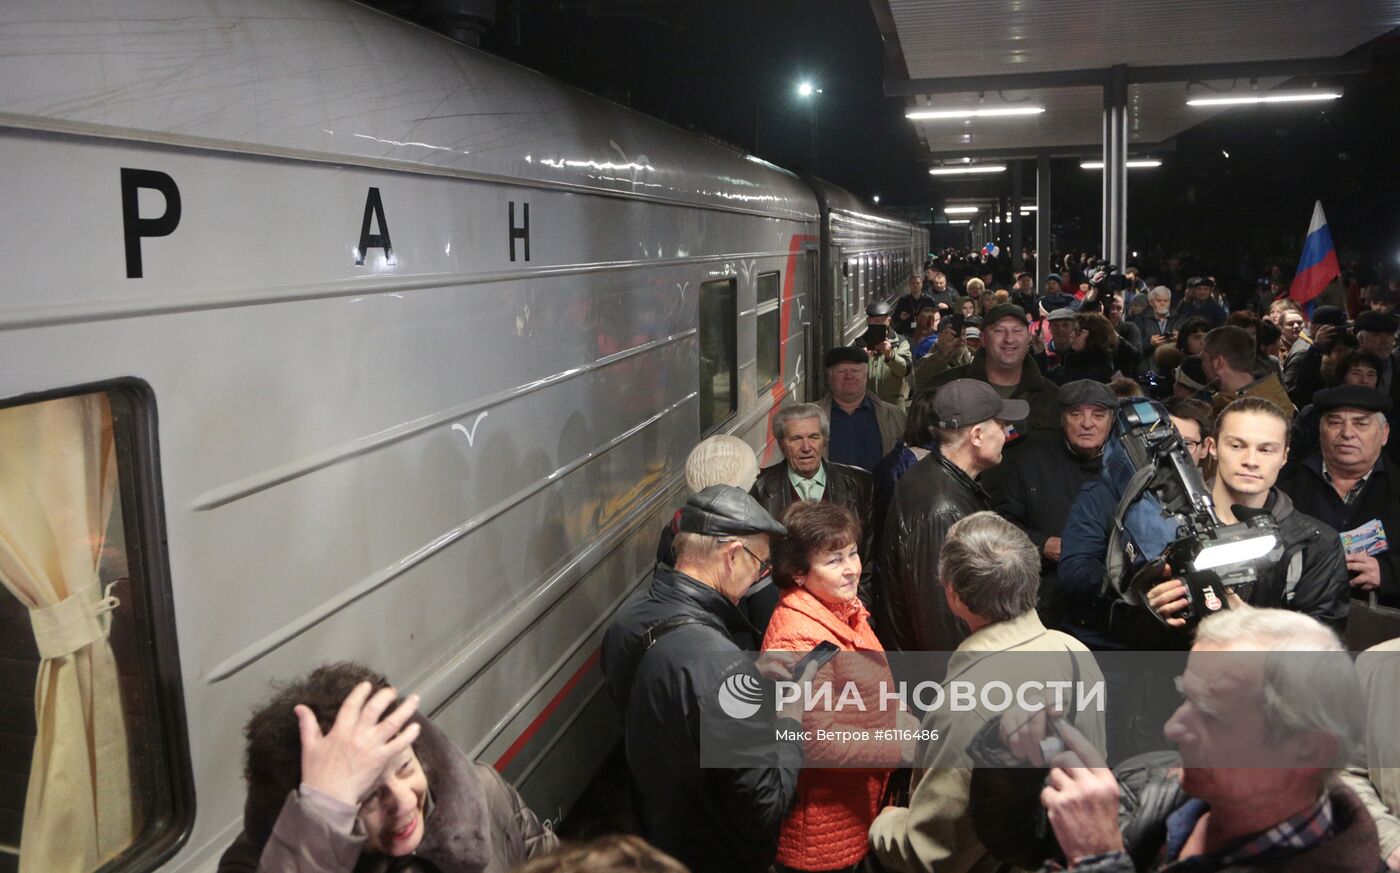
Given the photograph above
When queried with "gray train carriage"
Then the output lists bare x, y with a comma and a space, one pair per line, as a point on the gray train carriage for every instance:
327, 338
866, 256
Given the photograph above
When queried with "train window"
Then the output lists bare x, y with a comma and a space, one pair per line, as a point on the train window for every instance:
846, 287
95, 761
719, 374
769, 364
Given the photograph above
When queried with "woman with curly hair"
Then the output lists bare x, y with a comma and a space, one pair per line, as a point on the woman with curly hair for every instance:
344, 776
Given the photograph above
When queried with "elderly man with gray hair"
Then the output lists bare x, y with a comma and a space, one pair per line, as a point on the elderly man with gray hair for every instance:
1272, 709
801, 432
1155, 323
991, 572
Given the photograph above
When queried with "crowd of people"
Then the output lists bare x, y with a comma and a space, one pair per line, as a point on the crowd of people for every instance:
957, 490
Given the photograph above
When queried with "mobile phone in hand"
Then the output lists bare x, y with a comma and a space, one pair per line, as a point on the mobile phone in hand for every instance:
823, 652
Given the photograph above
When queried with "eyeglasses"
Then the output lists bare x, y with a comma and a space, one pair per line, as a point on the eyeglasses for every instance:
765, 567
1191, 445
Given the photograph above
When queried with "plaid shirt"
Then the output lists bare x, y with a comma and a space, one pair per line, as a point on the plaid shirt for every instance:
1350, 497
1288, 837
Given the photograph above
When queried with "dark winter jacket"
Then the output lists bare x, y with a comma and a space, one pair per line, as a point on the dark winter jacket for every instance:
1036, 496
912, 613
711, 819
1149, 794
1034, 388
1127, 359
1073, 366
475, 823
1212, 312
1379, 500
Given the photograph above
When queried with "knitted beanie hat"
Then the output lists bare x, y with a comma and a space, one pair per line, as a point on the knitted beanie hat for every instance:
721, 460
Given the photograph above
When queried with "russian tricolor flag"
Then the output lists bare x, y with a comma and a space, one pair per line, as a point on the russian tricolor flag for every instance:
1318, 265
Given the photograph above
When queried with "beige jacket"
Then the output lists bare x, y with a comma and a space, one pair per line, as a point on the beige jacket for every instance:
1378, 785
1270, 388
935, 833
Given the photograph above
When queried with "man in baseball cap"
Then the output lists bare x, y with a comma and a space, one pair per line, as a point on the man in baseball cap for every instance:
1062, 322
970, 424
1004, 362
889, 356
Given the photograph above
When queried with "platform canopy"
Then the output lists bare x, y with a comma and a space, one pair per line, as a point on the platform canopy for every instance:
1108, 79
1056, 54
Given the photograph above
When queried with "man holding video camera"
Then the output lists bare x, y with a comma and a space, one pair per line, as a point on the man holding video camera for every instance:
890, 356
1251, 445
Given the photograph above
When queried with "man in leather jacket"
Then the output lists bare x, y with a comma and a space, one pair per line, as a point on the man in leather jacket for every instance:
1257, 788
801, 432
665, 657
911, 610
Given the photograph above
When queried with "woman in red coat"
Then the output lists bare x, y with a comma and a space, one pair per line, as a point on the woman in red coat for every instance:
839, 790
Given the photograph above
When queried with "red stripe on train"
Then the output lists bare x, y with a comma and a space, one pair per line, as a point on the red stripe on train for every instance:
785, 305
534, 728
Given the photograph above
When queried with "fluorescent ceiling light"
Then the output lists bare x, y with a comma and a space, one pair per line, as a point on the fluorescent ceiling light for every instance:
966, 169
960, 210
978, 112
1265, 97
1031, 208
1132, 165
960, 221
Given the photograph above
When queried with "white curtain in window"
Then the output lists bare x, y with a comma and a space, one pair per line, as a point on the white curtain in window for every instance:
58, 478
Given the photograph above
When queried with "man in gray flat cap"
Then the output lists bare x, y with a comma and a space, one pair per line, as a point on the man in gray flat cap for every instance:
910, 608
664, 658
1044, 478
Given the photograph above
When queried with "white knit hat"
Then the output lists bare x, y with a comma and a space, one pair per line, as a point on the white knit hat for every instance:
721, 460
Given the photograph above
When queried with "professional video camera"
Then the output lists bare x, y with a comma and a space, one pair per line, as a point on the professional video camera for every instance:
1107, 279
1165, 515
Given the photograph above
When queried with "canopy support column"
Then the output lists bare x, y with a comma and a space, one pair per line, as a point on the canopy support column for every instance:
1115, 165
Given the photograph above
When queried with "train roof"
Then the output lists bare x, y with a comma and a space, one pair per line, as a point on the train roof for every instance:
333, 81
838, 199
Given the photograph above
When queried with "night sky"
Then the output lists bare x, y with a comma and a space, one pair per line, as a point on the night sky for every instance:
729, 68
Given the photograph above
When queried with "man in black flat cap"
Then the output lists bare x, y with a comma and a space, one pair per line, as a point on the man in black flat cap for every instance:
1375, 333
1200, 302
911, 610
664, 658
864, 428
1045, 477
1348, 484
1302, 367
889, 356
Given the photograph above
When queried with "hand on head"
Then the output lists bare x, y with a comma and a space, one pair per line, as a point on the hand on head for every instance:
347, 761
